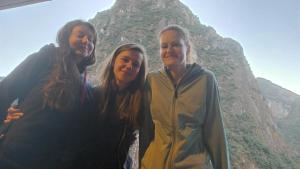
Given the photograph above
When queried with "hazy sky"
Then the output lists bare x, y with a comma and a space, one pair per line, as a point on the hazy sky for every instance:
268, 30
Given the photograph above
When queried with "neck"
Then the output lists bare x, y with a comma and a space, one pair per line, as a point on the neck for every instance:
177, 73
121, 86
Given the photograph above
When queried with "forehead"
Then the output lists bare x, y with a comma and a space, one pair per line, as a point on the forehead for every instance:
170, 35
132, 55
82, 29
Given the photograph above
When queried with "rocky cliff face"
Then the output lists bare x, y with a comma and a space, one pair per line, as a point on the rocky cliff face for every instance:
279, 100
285, 107
252, 133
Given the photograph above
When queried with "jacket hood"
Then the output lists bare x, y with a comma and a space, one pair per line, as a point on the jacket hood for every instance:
193, 71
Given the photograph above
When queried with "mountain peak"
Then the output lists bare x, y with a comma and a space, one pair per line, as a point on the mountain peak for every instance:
141, 1
143, 4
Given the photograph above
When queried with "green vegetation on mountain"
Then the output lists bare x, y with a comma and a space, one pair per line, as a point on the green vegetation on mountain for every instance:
285, 107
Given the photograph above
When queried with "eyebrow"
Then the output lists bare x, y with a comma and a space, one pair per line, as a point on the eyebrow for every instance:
128, 57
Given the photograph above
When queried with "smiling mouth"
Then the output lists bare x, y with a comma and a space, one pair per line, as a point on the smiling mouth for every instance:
83, 48
126, 73
169, 56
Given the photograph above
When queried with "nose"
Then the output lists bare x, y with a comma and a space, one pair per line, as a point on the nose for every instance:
129, 66
85, 40
169, 48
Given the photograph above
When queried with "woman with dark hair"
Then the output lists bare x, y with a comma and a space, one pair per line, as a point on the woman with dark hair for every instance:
51, 90
121, 101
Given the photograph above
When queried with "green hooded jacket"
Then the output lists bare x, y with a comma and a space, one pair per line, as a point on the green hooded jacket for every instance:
188, 132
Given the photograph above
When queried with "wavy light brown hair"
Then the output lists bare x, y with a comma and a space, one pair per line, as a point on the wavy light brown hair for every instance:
130, 105
64, 83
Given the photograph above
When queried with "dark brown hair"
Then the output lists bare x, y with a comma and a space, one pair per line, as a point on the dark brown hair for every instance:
64, 83
131, 102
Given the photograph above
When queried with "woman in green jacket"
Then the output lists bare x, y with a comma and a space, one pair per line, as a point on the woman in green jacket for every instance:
185, 110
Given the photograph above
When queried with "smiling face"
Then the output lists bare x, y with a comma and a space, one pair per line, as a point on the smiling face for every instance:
173, 49
81, 41
126, 67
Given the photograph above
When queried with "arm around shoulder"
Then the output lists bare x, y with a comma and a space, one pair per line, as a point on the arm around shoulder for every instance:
21, 79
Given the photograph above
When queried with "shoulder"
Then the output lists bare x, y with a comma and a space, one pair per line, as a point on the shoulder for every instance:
211, 78
210, 74
48, 48
197, 69
45, 58
45, 55
212, 82
155, 74
48, 51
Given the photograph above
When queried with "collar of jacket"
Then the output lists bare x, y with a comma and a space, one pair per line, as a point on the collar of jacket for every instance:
193, 71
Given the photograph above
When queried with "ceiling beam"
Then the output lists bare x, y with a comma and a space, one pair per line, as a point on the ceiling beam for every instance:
6, 4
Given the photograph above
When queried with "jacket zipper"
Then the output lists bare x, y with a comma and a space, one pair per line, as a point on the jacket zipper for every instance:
175, 87
171, 164
174, 129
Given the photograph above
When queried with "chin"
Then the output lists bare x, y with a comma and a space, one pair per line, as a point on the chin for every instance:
168, 64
